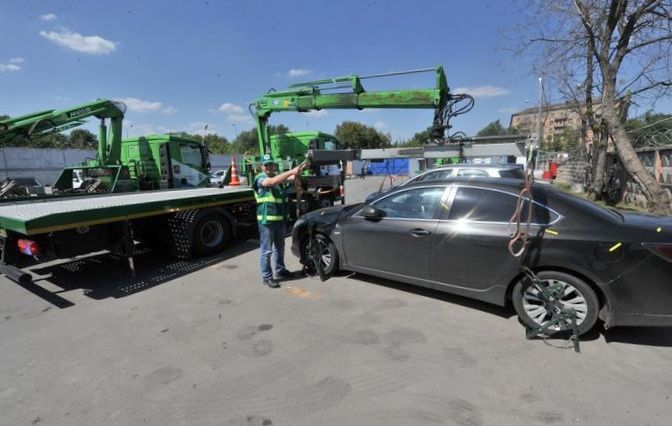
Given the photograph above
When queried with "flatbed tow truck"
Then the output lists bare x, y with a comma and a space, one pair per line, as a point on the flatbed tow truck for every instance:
148, 197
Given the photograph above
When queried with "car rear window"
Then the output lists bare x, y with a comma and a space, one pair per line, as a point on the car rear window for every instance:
516, 173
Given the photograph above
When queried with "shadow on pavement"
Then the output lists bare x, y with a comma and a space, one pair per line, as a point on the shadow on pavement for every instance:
501, 311
107, 275
649, 336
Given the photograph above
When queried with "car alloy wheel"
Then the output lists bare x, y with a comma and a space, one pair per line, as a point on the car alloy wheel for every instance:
537, 309
327, 252
572, 292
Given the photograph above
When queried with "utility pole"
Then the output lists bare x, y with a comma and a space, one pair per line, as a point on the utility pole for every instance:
205, 129
540, 126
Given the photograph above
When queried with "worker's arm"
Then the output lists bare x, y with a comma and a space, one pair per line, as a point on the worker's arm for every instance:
271, 181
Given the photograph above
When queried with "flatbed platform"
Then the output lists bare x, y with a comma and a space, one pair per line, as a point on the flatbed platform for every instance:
38, 217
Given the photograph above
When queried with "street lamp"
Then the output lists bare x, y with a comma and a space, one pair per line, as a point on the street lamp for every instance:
235, 129
205, 129
128, 129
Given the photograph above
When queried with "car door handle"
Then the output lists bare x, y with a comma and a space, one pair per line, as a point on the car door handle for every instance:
418, 232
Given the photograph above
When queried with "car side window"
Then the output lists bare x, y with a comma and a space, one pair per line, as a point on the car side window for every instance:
472, 173
485, 205
419, 203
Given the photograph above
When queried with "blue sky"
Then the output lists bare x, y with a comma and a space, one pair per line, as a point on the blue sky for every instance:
181, 64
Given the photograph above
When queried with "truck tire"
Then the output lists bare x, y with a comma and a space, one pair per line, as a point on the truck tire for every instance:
210, 234
199, 232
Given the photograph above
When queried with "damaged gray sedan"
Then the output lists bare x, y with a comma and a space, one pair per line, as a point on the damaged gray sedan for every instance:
453, 236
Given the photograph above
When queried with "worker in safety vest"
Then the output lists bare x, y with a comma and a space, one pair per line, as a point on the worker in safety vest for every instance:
272, 213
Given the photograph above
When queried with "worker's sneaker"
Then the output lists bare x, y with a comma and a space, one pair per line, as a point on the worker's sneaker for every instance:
271, 283
284, 275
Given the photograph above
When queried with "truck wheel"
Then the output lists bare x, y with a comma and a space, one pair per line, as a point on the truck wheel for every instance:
211, 234
576, 294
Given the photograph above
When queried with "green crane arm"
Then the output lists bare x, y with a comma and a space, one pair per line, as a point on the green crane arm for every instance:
303, 97
52, 121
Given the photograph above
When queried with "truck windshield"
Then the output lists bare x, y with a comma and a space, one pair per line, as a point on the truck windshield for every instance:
191, 155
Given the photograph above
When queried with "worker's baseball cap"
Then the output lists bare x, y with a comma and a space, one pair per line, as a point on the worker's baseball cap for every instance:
266, 159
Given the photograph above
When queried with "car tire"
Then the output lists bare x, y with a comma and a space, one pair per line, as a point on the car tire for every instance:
211, 234
578, 295
329, 255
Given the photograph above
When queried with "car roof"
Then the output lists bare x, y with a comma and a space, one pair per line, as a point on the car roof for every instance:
484, 166
507, 184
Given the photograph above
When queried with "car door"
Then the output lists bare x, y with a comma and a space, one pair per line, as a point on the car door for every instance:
400, 242
471, 245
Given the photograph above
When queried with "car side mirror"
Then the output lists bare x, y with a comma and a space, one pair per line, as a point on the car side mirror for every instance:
372, 213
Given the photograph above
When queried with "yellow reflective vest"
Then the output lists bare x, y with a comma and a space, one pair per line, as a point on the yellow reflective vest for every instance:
271, 201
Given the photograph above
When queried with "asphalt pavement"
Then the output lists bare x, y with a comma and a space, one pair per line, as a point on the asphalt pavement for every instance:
203, 343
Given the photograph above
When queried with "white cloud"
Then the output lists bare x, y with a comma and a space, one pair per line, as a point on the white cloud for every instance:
144, 129
239, 118
95, 45
168, 110
138, 105
198, 127
483, 91
229, 108
48, 17
510, 110
9, 67
380, 125
317, 114
298, 72
17, 61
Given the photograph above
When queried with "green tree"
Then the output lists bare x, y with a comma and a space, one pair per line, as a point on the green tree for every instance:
360, 136
53, 140
494, 128
217, 144
420, 138
650, 129
82, 139
248, 141
566, 141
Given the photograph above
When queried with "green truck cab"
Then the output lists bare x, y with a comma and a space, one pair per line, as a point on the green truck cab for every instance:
321, 183
146, 163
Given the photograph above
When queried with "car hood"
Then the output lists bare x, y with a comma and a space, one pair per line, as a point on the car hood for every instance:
326, 219
329, 214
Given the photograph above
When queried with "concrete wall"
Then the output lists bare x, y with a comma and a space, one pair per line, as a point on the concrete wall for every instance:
43, 164
573, 173
46, 164
658, 161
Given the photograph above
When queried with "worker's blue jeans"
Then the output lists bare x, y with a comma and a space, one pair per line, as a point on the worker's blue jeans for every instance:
272, 240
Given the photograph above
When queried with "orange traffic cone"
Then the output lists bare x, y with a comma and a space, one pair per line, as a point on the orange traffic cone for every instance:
234, 173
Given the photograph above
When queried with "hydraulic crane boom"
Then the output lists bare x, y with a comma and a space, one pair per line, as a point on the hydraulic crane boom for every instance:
51, 121
303, 97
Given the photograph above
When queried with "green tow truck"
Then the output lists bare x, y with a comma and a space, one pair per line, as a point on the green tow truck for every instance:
149, 189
